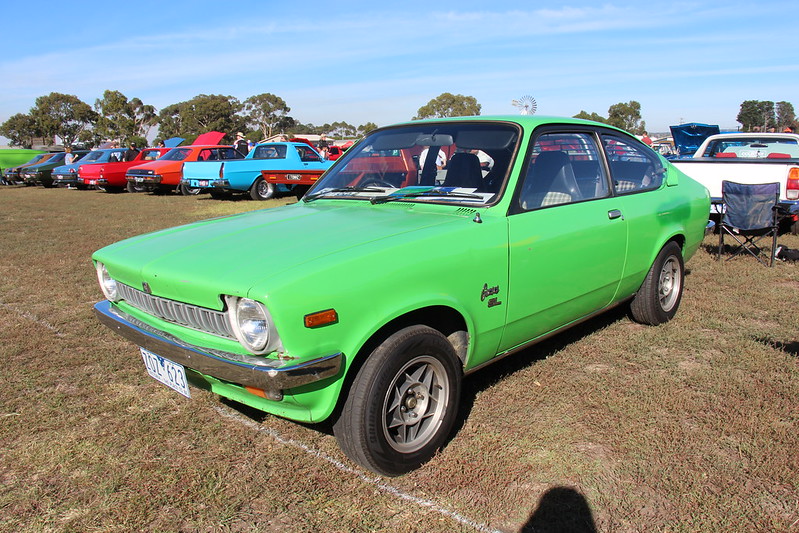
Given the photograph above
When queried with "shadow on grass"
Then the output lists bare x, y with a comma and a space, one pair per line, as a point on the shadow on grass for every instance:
561, 510
791, 347
485, 378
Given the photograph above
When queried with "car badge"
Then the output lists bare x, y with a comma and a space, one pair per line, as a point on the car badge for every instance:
146, 287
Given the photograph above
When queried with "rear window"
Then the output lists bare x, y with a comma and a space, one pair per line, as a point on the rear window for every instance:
753, 148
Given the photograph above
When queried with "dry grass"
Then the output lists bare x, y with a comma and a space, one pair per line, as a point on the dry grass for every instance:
612, 426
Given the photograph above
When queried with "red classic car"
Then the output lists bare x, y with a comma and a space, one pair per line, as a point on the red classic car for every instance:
111, 176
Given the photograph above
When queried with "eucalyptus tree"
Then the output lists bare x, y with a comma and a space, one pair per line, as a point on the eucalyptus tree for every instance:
62, 115
449, 105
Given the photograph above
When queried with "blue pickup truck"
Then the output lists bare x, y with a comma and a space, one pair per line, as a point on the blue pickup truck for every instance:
267, 169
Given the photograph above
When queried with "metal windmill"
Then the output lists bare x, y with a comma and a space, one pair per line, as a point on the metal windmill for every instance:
526, 104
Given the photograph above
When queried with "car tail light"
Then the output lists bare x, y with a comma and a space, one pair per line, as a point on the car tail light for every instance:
792, 186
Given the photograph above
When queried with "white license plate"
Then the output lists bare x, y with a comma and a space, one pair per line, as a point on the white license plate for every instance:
92, 182
203, 183
171, 374
139, 180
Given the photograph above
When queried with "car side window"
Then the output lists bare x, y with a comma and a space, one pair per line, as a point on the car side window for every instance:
307, 154
563, 168
633, 167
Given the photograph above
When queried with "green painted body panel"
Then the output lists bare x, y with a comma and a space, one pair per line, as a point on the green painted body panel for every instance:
509, 276
13, 157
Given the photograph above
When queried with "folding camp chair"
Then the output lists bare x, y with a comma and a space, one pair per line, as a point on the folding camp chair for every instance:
749, 215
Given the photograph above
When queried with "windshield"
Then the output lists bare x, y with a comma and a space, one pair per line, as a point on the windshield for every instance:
454, 162
754, 148
176, 154
150, 154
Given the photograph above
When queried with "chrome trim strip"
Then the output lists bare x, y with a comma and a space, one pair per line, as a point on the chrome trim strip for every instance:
183, 314
270, 375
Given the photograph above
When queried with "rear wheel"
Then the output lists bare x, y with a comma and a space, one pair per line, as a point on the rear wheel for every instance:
262, 190
134, 187
659, 297
402, 403
187, 190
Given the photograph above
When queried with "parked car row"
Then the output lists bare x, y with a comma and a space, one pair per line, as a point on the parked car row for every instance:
205, 166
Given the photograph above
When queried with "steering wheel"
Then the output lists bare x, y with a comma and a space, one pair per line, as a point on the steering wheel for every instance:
376, 182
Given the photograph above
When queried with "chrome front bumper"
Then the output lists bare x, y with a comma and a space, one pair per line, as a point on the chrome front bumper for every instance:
270, 375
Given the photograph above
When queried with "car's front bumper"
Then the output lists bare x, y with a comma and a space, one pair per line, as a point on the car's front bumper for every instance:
270, 375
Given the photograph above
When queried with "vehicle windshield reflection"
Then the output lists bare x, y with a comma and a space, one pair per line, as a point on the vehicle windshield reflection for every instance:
459, 162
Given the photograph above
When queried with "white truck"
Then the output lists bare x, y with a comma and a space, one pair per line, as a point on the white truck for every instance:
747, 158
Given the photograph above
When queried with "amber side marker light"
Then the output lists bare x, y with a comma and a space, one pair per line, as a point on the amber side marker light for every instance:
321, 318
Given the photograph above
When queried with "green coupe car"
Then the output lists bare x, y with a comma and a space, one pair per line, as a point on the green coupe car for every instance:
429, 250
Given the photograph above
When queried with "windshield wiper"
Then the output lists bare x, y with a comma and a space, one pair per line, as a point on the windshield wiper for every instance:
429, 192
312, 197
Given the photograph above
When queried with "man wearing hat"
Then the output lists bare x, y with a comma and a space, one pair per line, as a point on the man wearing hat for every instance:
241, 143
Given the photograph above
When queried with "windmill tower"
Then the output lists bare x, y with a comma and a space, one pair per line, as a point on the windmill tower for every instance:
526, 104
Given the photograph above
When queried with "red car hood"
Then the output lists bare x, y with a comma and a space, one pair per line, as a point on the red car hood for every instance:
211, 137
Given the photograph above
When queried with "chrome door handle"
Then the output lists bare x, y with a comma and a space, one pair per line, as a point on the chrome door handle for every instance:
614, 214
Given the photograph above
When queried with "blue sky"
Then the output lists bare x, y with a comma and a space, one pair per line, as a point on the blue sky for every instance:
380, 61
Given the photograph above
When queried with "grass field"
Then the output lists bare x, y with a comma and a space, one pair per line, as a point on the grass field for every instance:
612, 426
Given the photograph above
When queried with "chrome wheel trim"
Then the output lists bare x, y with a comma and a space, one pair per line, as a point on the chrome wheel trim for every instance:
415, 404
669, 283
265, 190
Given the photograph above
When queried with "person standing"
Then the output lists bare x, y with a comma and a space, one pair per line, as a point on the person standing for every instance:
131, 152
69, 158
241, 144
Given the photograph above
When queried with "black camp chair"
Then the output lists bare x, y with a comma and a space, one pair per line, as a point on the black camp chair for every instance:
749, 215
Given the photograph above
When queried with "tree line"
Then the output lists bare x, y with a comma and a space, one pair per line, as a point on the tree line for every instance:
115, 117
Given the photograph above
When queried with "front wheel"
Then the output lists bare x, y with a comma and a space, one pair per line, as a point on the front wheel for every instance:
659, 297
402, 403
262, 190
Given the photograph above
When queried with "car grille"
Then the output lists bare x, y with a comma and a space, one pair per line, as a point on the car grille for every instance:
190, 316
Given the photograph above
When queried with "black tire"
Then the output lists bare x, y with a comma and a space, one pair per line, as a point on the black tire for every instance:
403, 402
133, 187
262, 190
659, 297
185, 190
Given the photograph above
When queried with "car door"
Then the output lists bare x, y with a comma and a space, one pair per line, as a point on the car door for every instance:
567, 237
309, 158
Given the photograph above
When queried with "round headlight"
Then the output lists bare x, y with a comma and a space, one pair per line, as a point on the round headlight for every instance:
107, 283
251, 324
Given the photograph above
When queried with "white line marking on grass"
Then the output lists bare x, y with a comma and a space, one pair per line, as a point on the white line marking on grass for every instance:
32, 318
363, 476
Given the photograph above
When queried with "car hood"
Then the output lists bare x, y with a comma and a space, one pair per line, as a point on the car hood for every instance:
198, 262
210, 137
688, 137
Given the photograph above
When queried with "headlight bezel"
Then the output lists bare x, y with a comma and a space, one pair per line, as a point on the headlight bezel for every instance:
244, 314
107, 284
